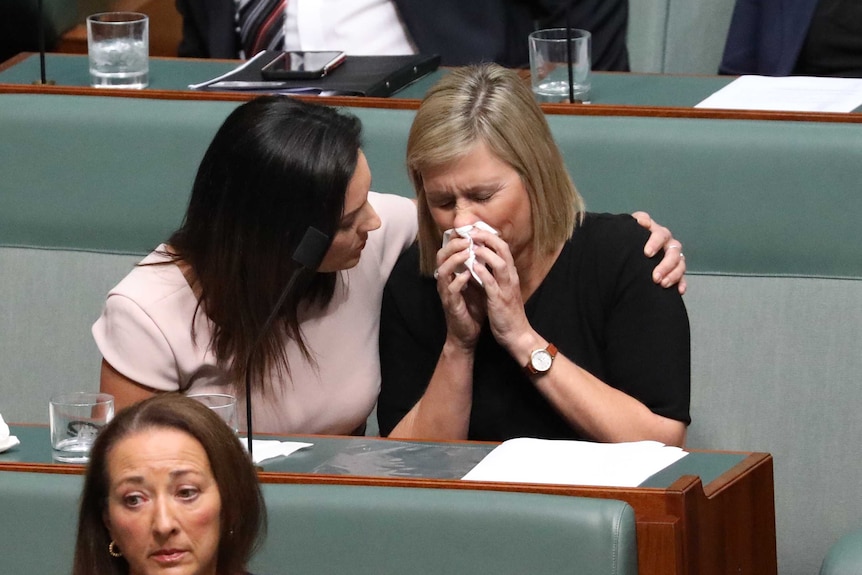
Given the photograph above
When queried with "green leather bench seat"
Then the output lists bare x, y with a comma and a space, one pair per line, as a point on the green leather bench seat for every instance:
326, 529
768, 213
845, 557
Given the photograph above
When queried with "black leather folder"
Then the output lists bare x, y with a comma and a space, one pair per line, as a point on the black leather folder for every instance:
377, 76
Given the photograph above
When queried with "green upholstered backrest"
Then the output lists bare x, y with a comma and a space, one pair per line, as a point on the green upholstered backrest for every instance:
325, 529
114, 174
760, 198
381, 530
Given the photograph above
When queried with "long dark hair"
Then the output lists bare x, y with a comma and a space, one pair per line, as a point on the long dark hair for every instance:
275, 167
243, 511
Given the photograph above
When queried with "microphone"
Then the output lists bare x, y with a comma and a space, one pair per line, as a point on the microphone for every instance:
41, 32
308, 254
569, 54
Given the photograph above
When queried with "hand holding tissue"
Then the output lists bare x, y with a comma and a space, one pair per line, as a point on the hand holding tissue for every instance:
464, 232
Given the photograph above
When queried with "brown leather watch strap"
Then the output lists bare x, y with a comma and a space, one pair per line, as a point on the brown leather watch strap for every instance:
552, 351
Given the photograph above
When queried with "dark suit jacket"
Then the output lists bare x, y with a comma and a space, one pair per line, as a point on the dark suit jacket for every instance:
766, 36
461, 31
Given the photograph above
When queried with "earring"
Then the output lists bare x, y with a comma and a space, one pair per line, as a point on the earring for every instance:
112, 550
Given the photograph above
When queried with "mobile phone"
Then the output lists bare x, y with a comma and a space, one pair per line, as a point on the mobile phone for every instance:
295, 65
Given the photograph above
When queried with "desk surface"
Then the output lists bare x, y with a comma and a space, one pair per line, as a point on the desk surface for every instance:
613, 93
381, 458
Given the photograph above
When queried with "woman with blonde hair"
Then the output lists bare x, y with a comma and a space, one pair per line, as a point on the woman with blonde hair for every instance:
557, 328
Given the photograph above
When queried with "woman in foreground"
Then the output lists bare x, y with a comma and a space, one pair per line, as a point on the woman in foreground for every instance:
169, 489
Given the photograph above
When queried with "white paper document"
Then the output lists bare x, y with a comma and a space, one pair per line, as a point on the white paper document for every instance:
788, 94
527, 460
265, 449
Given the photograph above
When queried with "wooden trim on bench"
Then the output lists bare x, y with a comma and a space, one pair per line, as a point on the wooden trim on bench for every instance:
413, 104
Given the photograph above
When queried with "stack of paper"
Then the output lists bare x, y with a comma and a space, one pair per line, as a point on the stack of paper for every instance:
526, 460
788, 94
265, 449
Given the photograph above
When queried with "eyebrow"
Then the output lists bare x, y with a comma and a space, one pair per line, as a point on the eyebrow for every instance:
486, 187
138, 479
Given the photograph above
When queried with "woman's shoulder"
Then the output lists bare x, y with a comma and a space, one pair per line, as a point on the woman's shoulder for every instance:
152, 280
611, 227
398, 227
612, 236
608, 246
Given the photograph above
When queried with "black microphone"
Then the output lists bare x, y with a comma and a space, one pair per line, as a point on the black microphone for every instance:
569, 54
308, 254
41, 31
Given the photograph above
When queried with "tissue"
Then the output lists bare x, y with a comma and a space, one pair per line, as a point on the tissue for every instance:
6, 441
464, 232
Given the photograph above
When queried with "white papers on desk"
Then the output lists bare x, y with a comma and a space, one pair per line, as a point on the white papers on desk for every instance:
788, 94
526, 460
265, 449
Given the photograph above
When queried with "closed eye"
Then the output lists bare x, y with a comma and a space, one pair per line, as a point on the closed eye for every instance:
442, 203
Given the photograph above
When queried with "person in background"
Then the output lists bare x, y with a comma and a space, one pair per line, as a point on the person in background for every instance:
794, 37
559, 330
169, 488
462, 32
188, 316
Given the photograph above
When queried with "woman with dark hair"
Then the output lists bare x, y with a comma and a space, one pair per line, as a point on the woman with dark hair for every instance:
168, 487
187, 318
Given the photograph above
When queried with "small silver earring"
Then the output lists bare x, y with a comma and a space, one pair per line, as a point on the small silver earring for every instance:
112, 549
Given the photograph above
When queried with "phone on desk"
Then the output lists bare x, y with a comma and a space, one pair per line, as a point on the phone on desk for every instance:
298, 65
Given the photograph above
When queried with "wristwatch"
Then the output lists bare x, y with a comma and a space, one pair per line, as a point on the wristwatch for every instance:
541, 360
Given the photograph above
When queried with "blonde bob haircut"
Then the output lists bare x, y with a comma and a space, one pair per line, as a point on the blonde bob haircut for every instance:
492, 104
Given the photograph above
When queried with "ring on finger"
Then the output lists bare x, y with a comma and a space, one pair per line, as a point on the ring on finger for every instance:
681, 256
674, 247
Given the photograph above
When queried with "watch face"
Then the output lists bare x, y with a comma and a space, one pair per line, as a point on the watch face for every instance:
541, 360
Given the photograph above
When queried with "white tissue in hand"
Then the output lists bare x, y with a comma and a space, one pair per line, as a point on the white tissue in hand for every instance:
6, 441
464, 232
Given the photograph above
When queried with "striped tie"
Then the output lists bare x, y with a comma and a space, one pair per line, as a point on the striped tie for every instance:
260, 24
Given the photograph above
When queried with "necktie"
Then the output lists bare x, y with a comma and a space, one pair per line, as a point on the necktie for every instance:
260, 24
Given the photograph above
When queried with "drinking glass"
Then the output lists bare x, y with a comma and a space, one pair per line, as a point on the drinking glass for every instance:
118, 49
223, 404
76, 419
549, 65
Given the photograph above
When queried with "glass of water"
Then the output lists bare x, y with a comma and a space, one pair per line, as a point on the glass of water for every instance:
549, 64
223, 404
118, 45
76, 419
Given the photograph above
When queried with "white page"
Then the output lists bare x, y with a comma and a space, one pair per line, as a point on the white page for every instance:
788, 94
526, 460
265, 449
